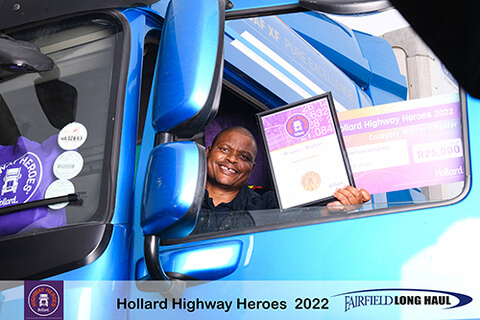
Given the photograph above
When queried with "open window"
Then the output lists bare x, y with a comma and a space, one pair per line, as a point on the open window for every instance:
401, 112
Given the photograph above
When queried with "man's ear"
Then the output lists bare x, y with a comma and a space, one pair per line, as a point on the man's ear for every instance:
207, 152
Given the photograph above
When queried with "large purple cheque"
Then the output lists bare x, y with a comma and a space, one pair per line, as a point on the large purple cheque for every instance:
409, 144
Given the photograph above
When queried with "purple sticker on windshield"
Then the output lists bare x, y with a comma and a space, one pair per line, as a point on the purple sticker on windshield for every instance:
21, 178
26, 170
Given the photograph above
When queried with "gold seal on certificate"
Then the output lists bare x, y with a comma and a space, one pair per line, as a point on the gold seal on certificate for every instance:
311, 181
305, 151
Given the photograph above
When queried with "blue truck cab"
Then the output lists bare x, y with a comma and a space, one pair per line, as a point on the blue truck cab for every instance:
106, 112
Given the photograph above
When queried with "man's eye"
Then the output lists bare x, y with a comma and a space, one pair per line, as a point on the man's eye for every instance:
244, 157
223, 149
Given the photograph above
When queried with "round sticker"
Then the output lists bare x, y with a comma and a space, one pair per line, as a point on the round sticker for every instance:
68, 165
72, 136
311, 181
59, 188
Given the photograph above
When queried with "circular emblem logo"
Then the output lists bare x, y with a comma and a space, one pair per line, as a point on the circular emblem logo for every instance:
43, 300
59, 188
297, 126
19, 179
311, 181
68, 165
72, 136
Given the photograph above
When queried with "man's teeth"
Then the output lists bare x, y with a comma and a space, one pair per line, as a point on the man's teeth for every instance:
231, 170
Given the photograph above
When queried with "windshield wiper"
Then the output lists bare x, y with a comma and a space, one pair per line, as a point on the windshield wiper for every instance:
72, 198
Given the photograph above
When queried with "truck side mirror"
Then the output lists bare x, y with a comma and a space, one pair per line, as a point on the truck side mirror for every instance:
174, 189
172, 196
186, 95
190, 67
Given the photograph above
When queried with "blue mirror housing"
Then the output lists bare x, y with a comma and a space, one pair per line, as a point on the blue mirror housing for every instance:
190, 67
174, 189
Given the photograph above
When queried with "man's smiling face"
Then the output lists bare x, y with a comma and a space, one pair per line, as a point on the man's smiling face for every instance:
230, 160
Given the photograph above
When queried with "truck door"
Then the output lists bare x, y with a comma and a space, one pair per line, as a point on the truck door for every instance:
368, 243
396, 141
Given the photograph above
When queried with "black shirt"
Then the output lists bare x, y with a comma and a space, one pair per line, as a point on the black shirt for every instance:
233, 215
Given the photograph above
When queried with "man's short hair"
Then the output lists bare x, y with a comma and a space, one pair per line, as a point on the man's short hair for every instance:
241, 130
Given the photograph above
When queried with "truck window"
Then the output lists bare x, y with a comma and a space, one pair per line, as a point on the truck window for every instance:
400, 110
57, 126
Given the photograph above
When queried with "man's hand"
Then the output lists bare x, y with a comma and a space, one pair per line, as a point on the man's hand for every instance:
349, 198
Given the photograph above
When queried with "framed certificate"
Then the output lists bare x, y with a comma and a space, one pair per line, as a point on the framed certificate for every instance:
305, 150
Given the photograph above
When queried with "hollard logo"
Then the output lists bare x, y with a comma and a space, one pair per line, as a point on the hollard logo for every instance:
19, 179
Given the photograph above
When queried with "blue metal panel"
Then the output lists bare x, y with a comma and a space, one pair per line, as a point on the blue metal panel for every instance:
366, 59
91, 283
387, 84
160, 7
113, 264
364, 98
126, 167
275, 57
334, 40
148, 141
374, 248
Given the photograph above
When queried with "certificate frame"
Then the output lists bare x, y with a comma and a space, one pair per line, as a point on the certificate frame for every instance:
305, 150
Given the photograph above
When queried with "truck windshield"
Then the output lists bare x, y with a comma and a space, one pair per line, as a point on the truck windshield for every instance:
50, 144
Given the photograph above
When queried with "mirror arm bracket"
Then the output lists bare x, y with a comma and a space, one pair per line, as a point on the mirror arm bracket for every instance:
163, 137
167, 287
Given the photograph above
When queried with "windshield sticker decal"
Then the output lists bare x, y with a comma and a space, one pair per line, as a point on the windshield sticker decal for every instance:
25, 173
59, 188
72, 136
20, 179
68, 165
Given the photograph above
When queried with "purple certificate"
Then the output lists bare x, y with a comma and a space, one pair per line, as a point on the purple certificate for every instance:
305, 150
